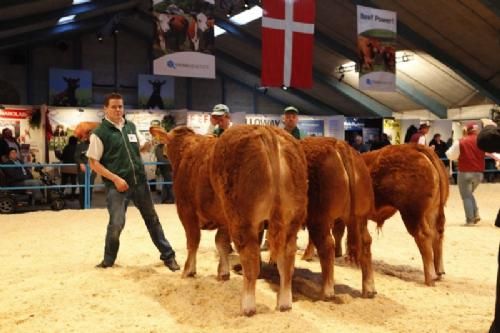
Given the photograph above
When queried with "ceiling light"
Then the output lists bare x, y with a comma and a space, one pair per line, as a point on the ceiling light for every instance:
78, 2
247, 16
284, 87
66, 19
218, 31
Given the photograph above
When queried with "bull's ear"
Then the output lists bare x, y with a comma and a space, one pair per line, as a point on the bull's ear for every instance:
159, 134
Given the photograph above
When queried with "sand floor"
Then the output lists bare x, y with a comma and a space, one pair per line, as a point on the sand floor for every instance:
48, 282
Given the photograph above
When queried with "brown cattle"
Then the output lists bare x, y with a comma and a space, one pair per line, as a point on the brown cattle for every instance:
339, 192
411, 178
252, 175
197, 205
260, 175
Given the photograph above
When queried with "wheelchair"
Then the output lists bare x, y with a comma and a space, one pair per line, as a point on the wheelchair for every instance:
12, 201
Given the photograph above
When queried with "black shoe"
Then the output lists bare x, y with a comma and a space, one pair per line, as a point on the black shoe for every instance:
102, 264
172, 264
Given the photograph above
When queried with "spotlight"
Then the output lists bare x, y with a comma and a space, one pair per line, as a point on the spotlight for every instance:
284, 87
99, 37
228, 15
116, 31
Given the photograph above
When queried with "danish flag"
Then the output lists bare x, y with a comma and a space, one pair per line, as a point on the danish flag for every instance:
287, 43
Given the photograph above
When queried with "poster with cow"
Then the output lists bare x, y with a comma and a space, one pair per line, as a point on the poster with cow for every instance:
156, 92
184, 38
376, 49
68, 87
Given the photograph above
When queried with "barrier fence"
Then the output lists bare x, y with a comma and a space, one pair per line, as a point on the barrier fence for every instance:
87, 187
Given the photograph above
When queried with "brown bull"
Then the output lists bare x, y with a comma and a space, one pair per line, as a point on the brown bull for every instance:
260, 176
197, 205
411, 178
339, 192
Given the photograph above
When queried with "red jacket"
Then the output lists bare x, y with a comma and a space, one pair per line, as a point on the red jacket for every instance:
471, 158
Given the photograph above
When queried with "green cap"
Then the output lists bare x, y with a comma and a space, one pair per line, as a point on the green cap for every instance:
291, 109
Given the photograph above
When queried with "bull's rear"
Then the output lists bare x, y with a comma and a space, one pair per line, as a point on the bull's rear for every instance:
259, 174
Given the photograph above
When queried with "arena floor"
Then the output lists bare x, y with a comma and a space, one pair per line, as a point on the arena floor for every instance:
48, 282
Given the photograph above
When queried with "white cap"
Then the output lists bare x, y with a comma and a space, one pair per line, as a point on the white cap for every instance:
220, 110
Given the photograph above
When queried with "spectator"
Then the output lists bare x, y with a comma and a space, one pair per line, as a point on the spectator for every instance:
382, 142
419, 136
439, 146
21, 176
6, 142
409, 133
81, 160
165, 170
359, 145
68, 172
221, 119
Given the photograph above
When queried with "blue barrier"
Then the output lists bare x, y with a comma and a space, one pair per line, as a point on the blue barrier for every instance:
86, 186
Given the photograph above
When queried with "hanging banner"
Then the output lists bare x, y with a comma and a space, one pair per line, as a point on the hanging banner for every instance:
376, 49
287, 43
184, 38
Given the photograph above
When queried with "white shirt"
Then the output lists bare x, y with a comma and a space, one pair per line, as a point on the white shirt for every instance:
96, 147
422, 140
454, 151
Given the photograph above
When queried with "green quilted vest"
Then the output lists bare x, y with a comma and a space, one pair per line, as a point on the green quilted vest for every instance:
121, 153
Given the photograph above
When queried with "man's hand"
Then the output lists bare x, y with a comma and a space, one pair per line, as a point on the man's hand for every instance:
120, 184
82, 167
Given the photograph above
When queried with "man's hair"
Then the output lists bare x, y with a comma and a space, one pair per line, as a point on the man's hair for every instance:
113, 95
11, 149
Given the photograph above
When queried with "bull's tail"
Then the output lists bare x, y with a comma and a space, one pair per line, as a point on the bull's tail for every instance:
444, 187
276, 233
353, 230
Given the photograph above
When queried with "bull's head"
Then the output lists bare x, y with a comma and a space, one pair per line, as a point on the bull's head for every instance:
83, 129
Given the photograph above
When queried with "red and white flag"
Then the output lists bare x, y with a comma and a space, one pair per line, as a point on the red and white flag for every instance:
287, 43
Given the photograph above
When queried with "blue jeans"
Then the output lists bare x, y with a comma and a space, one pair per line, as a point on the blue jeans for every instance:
117, 203
467, 184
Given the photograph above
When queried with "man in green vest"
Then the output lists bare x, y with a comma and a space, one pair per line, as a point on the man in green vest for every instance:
114, 153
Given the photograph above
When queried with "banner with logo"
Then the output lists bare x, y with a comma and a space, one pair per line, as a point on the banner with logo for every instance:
184, 38
376, 49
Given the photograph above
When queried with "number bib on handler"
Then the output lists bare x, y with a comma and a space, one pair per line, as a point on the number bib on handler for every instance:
132, 138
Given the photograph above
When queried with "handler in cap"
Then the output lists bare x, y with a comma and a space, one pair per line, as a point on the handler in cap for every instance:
290, 119
221, 119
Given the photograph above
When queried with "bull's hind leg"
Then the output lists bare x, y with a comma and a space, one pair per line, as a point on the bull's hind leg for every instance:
193, 235
285, 259
424, 237
338, 231
322, 239
223, 244
438, 244
365, 260
250, 261
309, 251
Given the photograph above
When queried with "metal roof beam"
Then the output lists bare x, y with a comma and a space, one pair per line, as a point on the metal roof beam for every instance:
355, 95
469, 75
402, 86
322, 107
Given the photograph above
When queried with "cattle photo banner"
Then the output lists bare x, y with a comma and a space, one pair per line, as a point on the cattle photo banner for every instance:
376, 49
184, 38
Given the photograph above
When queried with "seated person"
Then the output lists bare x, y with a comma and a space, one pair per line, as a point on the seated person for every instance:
21, 176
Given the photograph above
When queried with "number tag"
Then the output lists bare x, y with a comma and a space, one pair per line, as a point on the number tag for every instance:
132, 138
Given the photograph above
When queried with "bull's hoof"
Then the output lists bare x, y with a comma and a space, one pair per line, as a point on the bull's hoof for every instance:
223, 277
329, 297
188, 274
307, 257
431, 283
238, 268
249, 312
284, 307
369, 294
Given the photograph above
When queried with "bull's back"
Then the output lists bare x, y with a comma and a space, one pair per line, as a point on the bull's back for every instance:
257, 169
402, 177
